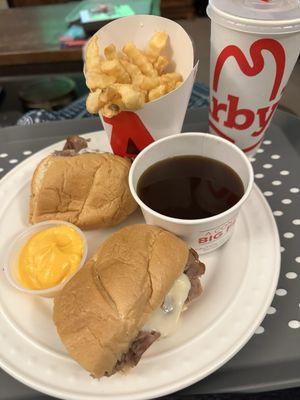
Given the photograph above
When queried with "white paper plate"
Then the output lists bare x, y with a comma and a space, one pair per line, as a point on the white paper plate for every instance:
239, 284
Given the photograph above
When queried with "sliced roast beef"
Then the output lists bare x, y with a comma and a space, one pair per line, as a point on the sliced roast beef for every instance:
141, 343
194, 269
75, 142
72, 147
65, 153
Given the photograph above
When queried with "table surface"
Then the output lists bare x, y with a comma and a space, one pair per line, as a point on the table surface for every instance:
31, 34
271, 359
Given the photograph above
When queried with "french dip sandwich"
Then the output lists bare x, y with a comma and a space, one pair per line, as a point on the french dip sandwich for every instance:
88, 189
130, 292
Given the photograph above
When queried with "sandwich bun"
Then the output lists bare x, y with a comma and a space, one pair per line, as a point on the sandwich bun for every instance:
102, 309
89, 190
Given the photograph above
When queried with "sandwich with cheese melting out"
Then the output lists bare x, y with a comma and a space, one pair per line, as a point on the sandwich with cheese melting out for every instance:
129, 294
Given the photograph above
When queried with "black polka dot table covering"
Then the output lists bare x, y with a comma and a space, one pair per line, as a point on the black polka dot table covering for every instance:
271, 359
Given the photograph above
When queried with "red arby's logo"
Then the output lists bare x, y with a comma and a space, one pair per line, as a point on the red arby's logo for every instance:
231, 108
129, 135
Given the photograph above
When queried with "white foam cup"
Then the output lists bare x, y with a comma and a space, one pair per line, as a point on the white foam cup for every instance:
206, 234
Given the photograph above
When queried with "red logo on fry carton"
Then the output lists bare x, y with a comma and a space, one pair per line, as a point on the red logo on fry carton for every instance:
233, 109
216, 233
129, 135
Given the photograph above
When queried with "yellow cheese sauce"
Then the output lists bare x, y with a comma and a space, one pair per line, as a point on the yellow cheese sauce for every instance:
49, 257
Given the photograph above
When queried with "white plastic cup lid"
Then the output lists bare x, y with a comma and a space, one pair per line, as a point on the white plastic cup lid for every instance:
257, 16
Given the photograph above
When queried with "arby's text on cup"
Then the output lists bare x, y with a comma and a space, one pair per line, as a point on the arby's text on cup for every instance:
216, 233
234, 113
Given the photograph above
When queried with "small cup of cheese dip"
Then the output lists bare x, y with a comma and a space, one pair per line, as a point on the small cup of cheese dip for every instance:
44, 257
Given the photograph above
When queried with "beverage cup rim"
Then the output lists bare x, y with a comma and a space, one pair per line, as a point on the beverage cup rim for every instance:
250, 25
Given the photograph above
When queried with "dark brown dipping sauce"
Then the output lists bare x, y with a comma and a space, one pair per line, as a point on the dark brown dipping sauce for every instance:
190, 187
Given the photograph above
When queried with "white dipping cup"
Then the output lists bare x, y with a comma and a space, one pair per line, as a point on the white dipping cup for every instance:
206, 234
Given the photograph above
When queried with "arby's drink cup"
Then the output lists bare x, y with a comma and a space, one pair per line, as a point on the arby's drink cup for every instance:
131, 131
254, 47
